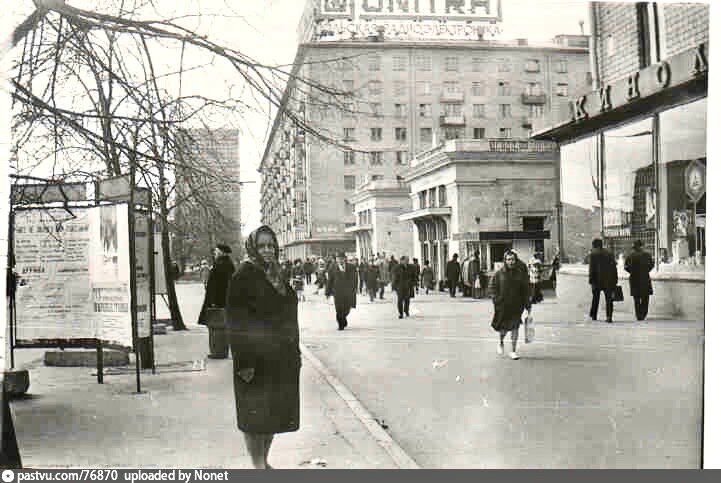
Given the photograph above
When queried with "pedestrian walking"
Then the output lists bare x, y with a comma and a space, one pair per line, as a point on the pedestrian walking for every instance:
402, 285
215, 298
639, 265
385, 276
262, 324
342, 285
416, 275
204, 272
453, 273
308, 269
534, 278
298, 279
427, 276
372, 276
362, 270
509, 289
603, 277
474, 275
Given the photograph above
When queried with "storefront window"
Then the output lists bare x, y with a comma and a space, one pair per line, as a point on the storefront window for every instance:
580, 197
682, 199
629, 211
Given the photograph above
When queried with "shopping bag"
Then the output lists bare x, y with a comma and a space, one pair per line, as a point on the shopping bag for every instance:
618, 294
529, 330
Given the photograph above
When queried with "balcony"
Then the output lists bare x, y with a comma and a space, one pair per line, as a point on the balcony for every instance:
533, 99
455, 96
459, 120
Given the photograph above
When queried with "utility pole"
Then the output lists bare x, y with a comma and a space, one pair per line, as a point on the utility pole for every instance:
507, 205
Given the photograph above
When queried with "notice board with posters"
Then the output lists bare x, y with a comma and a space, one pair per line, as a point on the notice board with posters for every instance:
74, 276
142, 273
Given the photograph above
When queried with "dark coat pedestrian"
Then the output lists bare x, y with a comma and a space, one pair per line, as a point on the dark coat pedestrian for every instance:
603, 277
402, 282
453, 274
372, 276
308, 269
639, 265
509, 290
416, 274
262, 325
427, 276
217, 288
362, 271
343, 286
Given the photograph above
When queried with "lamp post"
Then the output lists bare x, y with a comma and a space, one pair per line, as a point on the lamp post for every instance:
507, 205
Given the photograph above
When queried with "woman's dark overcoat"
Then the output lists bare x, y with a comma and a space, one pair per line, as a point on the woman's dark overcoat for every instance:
372, 275
510, 292
217, 288
638, 265
262, 328
343, 286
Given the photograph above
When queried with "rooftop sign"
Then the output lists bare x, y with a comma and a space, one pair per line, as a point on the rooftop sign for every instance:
448, 10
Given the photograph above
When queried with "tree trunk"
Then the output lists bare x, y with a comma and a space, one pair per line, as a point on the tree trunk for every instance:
175, 314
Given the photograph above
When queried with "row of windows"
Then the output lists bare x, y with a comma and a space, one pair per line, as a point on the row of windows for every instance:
478, 88
432, 197
453, 64
479, 111
377, 158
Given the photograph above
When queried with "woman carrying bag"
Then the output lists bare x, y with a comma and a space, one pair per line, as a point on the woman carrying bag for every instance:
510, 292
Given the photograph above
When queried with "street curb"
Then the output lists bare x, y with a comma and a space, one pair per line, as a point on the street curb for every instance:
384, 440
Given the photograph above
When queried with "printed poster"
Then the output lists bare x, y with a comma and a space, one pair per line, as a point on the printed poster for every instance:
142, 273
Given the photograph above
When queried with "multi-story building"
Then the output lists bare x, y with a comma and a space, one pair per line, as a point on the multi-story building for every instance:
403, 97
208, 194
633, 156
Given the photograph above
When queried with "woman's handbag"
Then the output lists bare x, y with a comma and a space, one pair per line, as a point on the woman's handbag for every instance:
618, 294
529, 331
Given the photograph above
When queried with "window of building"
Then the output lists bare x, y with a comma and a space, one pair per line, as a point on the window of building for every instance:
347, 208
425, 62
442, 196
348, 85
432, 200
479, 111
424, 110
401, 158
424, 88
451, 64
374, 62
533, 223
399, 63
453, 109
348, 110
349, 182
376, 133
401, 110
375, 87
453, 133
399, 88
451, 87
533, 89
504, 88
376, 177
533, 65
504, 110
479, 133
562, 90
401, 134
348, 134
535, 111
423, 199
376, 109
478, 89
562, 66
477, 64
348, 157
426, 134
376, 158
504, 132
504, 65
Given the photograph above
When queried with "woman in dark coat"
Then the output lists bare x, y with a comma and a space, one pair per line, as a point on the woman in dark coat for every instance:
639, 264
343, 286
373, 273
215, 296
510, 290
262, 324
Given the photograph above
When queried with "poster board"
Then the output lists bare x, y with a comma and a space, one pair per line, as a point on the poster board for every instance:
74, 270
160, 286
142, 273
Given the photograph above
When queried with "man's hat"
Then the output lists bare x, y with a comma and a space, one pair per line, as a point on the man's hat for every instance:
224, 248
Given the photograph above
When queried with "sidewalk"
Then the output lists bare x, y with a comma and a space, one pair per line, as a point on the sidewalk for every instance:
183, 418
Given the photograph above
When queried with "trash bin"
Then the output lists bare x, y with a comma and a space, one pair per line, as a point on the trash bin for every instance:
217, 336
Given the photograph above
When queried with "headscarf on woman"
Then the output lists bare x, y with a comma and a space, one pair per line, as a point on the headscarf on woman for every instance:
272, 269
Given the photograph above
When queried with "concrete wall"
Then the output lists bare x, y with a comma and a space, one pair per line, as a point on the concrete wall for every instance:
675, 299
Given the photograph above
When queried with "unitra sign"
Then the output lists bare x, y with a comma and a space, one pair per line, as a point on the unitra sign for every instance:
449, 10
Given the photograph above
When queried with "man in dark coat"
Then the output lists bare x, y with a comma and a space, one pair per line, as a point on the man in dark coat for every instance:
308, 269
453, 273
342, 285
639, 264
416, 275
215, 298
402, 283
362, 271
603, 277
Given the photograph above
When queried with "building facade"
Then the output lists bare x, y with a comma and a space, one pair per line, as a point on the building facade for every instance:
400, 98
633, 156
208, 194
483, 195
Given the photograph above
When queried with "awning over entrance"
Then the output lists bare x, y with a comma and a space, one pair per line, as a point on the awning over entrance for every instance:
513, 235
425, 213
